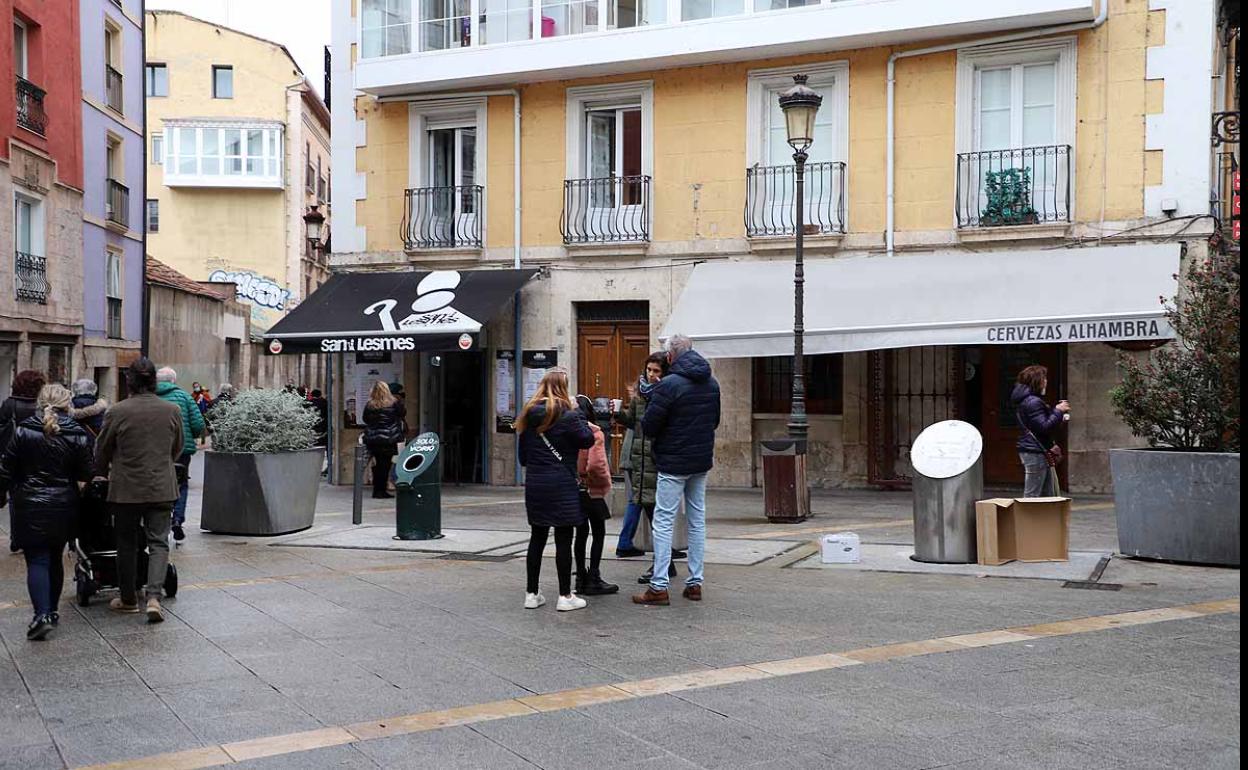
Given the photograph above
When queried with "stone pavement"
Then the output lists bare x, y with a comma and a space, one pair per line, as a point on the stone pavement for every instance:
280, 653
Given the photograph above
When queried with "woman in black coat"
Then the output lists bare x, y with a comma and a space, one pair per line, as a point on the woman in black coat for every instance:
385, 419
40, 469
16, 408
552, 434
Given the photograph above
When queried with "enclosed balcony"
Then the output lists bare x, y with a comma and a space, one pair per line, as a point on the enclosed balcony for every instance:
771, 200
1025, 186
30, 113
442, 217
117, 203
31, 272
612, 209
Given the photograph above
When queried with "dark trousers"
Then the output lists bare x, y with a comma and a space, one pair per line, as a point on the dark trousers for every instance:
149, 521
563, 557
45, 576
597, 528
381, 469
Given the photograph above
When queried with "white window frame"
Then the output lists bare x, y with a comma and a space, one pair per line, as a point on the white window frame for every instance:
156, 156
451, 113
584, 99
762, 85
24, 65
117, 292
413, 22
147, 215
1060, 51
272, 154
38, 223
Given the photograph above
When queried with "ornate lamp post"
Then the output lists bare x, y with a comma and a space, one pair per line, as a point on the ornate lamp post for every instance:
315, 222
800, 105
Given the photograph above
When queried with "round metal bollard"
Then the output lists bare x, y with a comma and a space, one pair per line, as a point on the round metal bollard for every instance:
947, 458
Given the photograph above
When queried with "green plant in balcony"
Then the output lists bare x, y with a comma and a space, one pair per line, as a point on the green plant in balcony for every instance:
1009, 198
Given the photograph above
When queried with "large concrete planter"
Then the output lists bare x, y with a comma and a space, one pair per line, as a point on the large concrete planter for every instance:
260, 494
1177, 506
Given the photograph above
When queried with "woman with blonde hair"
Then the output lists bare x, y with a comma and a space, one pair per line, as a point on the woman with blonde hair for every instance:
385, 428
552, 434
41, 469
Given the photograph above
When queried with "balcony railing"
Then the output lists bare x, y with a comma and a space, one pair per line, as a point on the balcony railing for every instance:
117, 203
30, 112
771, 200
442, 217
32, 278
1026, 186
113, 88
607, 210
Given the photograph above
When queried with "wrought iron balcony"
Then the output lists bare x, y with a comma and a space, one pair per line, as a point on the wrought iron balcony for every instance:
1025, 186
771, 200
117, 203
32, 278
612, 209
30, 112
442, 217
113, 88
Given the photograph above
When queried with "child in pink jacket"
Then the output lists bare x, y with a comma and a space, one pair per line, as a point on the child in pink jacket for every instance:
595, 478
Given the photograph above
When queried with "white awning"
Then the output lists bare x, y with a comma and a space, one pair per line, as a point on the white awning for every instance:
1102, 294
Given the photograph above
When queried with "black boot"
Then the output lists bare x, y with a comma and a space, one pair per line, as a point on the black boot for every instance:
594, 585
671, 573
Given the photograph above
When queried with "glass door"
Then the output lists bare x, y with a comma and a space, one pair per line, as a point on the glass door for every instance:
616, 190
453, 200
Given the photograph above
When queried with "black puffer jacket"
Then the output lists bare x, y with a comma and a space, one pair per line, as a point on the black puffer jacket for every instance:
385, 426
14, 410
682, 417
552, 496
1038, 420
41, 475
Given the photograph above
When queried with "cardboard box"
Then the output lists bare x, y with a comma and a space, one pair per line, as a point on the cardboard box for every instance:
1022, 529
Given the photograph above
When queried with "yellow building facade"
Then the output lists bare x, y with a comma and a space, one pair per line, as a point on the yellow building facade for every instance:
650, 146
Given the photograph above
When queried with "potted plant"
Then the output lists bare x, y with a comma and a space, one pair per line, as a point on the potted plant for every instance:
263, 473
1009, 198
1178, 499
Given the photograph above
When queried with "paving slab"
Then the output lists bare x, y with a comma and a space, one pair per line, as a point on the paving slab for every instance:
882, 557
719, 550
366, 537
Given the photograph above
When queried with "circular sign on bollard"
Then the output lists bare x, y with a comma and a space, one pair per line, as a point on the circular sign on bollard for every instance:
947, 458
418, 489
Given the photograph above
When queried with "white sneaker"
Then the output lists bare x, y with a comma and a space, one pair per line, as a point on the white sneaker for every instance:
570, 602
533, 601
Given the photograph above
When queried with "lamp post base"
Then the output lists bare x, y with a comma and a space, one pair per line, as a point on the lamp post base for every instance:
786, 492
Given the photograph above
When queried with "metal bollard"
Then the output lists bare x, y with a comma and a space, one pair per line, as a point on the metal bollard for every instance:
357, 493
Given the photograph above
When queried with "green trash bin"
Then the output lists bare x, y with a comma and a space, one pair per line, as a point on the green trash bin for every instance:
418, 489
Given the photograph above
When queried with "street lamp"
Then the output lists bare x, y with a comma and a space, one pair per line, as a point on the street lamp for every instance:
315, 222
800, 105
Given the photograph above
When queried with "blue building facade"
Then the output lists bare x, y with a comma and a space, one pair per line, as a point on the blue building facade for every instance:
113, 194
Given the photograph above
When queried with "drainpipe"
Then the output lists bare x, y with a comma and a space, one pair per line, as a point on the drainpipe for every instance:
145, 324
514, 93
890, 120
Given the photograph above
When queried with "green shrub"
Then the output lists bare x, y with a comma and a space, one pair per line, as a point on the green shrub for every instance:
1186, 395
263, 421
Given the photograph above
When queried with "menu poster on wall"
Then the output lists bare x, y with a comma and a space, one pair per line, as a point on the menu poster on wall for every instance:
533, 366
504, 391
360, 376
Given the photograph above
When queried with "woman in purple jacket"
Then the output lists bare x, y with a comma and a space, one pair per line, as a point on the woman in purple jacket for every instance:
1039, 421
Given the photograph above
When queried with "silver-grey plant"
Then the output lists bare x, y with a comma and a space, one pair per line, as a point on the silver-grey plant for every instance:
263, 421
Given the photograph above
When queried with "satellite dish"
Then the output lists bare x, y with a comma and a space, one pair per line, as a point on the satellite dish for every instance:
946, 449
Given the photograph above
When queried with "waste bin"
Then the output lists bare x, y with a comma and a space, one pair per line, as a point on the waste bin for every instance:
418, 490
786, 494
947, 458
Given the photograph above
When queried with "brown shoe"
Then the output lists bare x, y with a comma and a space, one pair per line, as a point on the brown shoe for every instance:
652, 598
154, 613
117, 605
692, 593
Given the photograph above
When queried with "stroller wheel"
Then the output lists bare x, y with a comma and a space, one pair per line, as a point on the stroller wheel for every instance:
171, 581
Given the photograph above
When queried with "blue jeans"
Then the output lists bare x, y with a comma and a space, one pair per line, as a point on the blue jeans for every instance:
45, 576
179, 508
632, 516
668, 494
1039, 480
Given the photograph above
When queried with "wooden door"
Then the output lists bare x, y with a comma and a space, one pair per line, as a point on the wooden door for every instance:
998, 422
610, 357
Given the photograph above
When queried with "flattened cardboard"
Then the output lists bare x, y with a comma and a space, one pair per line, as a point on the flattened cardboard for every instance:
1030, 529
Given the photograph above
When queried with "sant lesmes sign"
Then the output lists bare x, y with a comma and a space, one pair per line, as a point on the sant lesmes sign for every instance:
401, 311
1014, 297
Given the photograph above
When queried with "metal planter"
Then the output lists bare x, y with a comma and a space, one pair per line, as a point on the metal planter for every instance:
1177, 506
260, 494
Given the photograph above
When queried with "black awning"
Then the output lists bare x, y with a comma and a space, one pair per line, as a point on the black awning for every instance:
396, 311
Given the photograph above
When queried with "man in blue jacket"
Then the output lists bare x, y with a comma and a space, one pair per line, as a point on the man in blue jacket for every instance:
192, 428
681, 419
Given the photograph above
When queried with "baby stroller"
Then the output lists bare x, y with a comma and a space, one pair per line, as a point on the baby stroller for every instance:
95, 550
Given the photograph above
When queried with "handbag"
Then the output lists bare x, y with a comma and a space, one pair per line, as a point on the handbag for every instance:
1053, 454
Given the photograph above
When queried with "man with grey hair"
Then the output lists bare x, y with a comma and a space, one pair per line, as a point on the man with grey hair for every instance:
192, 428
88, 408
681, 419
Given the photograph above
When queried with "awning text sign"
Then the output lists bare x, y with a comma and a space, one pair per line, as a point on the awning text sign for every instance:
1083, 331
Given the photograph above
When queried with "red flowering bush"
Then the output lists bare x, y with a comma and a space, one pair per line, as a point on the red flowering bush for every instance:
1185, 395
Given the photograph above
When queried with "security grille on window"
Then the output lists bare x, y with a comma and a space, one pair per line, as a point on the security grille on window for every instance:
113, 293
385, 28
223, 156
773, 384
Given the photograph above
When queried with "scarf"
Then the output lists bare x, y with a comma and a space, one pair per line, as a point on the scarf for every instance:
644, 387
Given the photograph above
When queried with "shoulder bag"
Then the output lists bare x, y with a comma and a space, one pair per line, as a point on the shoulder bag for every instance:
1052, 454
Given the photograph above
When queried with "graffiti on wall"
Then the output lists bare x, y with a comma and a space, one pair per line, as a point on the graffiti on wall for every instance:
254, 288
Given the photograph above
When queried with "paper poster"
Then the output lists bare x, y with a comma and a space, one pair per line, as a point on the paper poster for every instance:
504, 391
360, 375
534, 365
